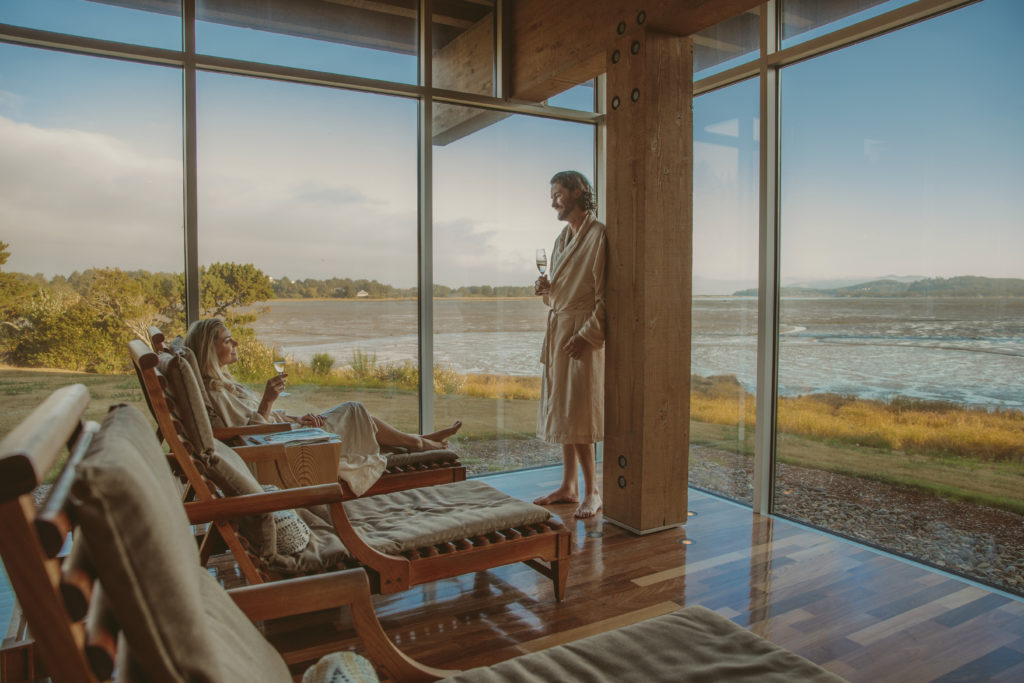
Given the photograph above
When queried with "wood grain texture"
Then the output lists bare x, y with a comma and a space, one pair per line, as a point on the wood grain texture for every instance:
822, 597
561, 44
310, 464
650, 226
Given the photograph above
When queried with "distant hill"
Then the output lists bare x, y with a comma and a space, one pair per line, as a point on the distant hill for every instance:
961, 286
849, 281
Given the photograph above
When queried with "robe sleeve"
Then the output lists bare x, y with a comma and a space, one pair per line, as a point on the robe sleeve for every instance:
236, 411
593, 329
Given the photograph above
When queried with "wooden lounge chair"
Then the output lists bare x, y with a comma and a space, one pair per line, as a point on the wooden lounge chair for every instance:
132, 593
404, 538
300, 466
156, 338
134, 565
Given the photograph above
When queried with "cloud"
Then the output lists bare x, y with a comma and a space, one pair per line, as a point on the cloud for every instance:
73, 200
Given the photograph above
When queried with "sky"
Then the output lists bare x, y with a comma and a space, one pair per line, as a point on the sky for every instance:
901, 155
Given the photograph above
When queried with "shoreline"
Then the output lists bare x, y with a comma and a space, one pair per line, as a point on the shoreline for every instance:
384, 299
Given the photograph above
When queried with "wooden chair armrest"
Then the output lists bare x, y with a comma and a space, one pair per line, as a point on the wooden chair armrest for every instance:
291, 597
222, 509
224, 433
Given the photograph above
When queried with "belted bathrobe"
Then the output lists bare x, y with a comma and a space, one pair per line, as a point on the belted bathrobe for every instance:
572, 390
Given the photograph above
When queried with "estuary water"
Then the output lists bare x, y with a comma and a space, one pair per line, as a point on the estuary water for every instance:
968, 351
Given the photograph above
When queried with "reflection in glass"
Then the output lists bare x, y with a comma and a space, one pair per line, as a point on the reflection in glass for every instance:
724, 341
154, 23
806, 19
727, 44
307, 202
491, 213
901, 320
368, 39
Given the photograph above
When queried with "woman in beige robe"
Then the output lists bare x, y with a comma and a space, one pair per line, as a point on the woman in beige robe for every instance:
361, 433
572, 382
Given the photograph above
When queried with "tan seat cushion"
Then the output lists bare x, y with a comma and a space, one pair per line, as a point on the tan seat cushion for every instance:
405, 520
692, 644
178, 621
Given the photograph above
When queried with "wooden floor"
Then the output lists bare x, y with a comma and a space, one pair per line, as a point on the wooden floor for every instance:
857, 612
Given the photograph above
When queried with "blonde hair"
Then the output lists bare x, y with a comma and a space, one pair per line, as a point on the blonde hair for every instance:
202, 339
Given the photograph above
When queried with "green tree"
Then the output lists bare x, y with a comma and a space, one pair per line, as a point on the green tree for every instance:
13, 290
224, 286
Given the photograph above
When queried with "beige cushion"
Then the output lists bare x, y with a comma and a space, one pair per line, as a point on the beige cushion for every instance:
179, 622
178, 347
188, 403
405, 520
692, 644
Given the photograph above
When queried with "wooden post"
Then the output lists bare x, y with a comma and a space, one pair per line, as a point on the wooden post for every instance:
650, 239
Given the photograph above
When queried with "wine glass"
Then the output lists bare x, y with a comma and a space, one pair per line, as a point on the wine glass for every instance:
279, 367
542, 261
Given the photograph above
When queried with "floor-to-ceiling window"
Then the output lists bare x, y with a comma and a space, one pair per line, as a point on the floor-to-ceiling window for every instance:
724, 309
889, 233
901, 316
306, 199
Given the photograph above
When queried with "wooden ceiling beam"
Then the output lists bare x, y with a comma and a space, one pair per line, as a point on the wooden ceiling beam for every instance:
561, 44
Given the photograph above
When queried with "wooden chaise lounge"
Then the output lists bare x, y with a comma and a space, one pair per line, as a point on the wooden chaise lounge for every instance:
131, 597
403, 538
403, 470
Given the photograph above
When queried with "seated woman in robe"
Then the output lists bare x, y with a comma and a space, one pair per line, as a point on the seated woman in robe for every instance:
361, 433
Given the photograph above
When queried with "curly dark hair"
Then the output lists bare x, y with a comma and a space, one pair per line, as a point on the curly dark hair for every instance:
574, 180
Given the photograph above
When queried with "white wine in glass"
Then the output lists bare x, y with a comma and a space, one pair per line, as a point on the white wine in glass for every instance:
279, 366
542, 261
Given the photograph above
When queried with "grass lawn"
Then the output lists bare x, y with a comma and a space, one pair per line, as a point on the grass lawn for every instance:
996, 483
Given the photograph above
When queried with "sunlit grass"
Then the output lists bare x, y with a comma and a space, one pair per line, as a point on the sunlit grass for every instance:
900, 424
967, 453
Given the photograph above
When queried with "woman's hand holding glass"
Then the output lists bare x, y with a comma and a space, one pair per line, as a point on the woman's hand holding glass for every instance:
275, 388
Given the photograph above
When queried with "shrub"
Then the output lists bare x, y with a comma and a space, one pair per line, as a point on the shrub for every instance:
363, 364
321, 364
255, 359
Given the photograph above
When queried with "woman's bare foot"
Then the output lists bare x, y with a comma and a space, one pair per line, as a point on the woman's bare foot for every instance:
442, 435
560, 496
589, 507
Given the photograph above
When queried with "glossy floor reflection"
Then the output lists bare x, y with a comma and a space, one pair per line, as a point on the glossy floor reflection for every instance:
857, 612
